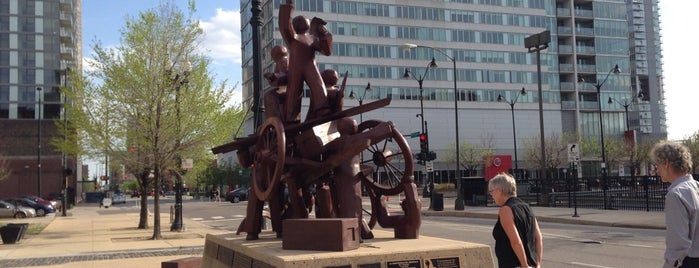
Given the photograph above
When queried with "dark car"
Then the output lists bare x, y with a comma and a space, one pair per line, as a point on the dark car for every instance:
54, 200
41, 209
237, 195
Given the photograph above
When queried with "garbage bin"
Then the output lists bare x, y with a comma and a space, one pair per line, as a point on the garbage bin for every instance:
474, 190
24, 227
10, 233
438, 201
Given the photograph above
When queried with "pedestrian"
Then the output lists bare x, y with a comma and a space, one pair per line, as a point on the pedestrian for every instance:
674, 164
217, 195
518, 240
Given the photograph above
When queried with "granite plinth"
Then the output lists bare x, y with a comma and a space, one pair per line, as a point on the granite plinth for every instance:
384, 251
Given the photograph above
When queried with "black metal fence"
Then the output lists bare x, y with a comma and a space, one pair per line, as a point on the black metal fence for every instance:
643, 193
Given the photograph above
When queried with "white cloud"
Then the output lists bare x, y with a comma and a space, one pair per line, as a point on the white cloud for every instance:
222, 37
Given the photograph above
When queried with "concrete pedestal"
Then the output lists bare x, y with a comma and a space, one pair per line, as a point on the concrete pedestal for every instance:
384, 251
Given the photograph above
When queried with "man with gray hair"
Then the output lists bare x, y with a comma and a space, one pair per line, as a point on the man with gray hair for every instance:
674, 165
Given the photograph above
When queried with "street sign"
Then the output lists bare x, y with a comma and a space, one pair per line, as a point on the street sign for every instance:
430, 166
414, 134
573, 152
187, 163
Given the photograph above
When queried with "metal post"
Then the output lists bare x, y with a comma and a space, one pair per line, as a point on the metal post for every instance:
256, 24
178, 81
38, 144
514, 132
459, 202
64, 163
601, 133
537, 43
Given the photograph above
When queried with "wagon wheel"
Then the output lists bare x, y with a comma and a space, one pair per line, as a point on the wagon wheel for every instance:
384, 156
270, 155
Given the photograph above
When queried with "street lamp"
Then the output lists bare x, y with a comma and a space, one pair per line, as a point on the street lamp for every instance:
407, 75
420, 79
626, 103
38, 144
598, 86
353, 96
459, 203
178, 81
65, 172
514, 133
537, 43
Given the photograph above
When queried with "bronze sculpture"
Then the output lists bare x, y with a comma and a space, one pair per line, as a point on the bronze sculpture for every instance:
322, 152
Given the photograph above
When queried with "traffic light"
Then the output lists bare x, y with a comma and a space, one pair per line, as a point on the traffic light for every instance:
424, 145
431, 155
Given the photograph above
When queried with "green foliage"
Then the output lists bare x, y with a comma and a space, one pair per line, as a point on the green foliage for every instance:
554, 152
472, 157
151, 101
130, 185
692, 143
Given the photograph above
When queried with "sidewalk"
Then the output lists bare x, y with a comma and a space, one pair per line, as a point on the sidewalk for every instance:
599, 217
96, 237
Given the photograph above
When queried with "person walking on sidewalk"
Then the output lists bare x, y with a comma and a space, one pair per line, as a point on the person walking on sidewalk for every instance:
674, 165
217, 195
518, 240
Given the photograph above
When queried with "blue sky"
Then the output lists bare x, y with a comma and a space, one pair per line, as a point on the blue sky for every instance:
102, 20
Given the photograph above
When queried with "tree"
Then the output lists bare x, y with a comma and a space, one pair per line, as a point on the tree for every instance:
151, 101
692, 143
554, 151
471, 156
5, 170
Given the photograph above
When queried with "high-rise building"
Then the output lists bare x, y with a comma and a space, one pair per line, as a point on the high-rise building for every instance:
484, 39
40, 42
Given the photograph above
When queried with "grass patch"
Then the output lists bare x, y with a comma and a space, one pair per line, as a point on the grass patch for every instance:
442, 187
34, 228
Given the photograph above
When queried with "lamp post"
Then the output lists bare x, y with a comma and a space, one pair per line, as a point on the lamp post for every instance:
598, 86
626, 105
38, 143
256, 25
514, 132
178, 81
360, 99
64, 162
420, 79
537, 43
361, 119
459, 202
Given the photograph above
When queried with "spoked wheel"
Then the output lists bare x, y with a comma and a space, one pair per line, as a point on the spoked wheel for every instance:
391, 161
270, 155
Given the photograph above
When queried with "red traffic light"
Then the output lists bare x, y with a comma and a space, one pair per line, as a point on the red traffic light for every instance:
423, 137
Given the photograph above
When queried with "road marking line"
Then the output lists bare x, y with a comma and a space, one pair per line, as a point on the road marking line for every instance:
197, 219
588, 265
218, 217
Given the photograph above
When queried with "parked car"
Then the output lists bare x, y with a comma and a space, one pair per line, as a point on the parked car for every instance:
54, 200
119, 198
169, 192
237, 195
41, 209
8, 210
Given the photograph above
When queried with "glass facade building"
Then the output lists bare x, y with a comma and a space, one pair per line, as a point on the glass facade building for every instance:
40, 40
486, 40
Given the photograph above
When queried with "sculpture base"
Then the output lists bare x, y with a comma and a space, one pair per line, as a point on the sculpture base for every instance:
384, 251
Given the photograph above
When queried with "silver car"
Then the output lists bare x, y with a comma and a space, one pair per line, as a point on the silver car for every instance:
8, 210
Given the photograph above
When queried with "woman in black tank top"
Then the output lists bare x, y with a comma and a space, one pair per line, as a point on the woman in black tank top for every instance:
518, 240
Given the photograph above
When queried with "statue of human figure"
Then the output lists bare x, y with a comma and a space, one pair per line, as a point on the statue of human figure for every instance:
274, 97
304, 39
